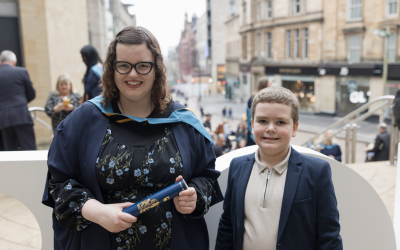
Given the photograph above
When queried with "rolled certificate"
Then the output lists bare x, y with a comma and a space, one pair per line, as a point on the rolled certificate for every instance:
156, 199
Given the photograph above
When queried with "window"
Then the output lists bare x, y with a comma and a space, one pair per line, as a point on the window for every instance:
354, 48
259, 45
305, 43
268, 45
259, 11
244, 47
354, 10
268, 10
392, 47
296, 7
244, 15
392, 7
288, 45
296, 50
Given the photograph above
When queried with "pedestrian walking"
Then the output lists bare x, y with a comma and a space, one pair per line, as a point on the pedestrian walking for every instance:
16, 91
62, 101
94, 72
201, 111
224, 112
124, 145
230, 113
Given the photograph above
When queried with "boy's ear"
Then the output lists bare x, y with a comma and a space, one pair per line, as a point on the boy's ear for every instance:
252, 126
295, 129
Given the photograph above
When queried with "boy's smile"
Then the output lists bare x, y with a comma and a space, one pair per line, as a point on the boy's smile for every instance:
273, 128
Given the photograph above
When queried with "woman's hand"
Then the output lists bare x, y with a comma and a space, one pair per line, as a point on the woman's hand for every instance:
185, 203
109, 216
59, 107
69, 107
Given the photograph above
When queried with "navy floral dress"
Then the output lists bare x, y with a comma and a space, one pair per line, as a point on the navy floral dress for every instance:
135, 160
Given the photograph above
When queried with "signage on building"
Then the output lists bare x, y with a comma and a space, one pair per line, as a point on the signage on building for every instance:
309, 71
294, 71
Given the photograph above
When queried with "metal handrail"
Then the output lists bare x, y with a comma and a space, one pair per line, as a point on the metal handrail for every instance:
34, 117
352, 125
351, 115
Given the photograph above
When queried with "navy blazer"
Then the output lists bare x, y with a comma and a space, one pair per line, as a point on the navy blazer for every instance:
309, 216
16, 91
73, 154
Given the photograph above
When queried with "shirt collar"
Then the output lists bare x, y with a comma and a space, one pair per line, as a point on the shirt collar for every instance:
280, 168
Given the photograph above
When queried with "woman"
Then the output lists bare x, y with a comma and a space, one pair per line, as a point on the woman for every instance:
123, 146
331, 149
94, 72
62, 101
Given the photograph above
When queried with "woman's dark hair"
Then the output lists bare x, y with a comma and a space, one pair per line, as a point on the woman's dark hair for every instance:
91, 57
160, 93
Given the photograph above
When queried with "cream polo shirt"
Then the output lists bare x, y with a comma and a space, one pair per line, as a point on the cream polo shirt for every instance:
263, 204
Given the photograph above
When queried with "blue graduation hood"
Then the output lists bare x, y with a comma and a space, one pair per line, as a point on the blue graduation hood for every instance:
180, 115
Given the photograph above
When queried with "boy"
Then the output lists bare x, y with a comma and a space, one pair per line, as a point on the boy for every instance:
277, 198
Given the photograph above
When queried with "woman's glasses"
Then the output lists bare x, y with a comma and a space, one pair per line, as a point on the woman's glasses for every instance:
142, 68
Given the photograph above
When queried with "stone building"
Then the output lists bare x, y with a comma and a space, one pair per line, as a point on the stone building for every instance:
233, 87
105, 19
219, 10
187, 50
324, 51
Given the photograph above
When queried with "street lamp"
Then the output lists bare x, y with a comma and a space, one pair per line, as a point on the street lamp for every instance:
385, 34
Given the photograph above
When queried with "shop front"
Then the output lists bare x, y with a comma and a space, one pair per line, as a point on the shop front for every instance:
299, 80
351, 93
303, 88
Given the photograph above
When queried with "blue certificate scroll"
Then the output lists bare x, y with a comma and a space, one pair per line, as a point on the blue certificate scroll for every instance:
156, 199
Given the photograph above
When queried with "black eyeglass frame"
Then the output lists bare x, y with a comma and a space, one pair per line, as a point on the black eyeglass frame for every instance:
133, 66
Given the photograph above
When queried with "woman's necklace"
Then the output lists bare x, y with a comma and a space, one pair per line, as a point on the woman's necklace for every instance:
122, 109
123, 112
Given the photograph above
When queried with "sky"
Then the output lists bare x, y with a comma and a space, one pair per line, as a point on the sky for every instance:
165, 18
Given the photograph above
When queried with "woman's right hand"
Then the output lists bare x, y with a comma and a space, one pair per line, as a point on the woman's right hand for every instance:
109, 216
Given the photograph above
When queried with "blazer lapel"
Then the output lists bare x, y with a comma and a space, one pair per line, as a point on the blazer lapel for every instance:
245, 171
292, 180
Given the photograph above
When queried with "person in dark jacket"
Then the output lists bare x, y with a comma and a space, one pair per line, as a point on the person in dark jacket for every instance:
381, 149
16, 91
207, 122
94, 72
118, 148
331, 149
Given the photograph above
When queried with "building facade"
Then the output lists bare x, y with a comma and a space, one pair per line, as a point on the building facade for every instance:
219, 10
317, 48
233, 86
105, 19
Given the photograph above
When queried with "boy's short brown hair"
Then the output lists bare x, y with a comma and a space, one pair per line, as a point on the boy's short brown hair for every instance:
277, 95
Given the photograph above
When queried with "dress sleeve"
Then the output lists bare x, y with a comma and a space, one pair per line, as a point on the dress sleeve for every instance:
69, 197
204, 178
204, 191
50, 103
64, 191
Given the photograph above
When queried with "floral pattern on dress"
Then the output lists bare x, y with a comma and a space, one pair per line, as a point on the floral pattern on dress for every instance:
67, 208
131, 174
